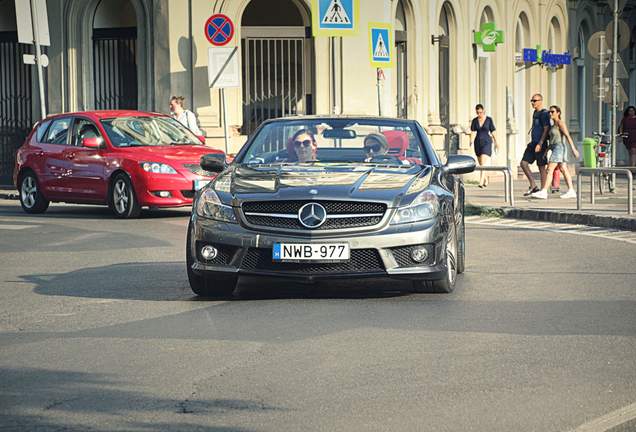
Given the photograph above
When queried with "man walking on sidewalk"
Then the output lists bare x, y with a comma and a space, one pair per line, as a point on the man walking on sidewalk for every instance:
537, 148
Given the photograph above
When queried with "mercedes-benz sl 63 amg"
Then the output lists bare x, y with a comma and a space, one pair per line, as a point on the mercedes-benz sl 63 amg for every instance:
317, 198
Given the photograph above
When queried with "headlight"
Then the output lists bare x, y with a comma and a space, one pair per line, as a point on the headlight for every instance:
157, 168
424, 207
209, 206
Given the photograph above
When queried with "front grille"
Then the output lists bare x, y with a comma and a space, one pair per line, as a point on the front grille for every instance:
403, 258
224, 256
196, 169
332, 207
361, 261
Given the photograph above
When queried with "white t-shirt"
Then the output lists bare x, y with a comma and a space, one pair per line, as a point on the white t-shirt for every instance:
189, 120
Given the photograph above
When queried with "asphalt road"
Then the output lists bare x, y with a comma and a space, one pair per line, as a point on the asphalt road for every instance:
99, 331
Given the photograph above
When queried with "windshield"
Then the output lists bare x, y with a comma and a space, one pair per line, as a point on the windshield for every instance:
369, 141
148, 131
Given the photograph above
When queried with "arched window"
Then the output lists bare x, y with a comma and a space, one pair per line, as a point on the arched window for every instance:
401, 39
554, 45
484, 65
115, 55
522, 82
277, 61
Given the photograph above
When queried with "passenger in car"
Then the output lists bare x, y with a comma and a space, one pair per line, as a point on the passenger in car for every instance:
375, 145
302, 146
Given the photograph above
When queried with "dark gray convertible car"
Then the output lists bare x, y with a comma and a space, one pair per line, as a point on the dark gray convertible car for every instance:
316, 198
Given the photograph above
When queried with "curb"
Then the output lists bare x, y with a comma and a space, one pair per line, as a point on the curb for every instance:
617, 222
8, 195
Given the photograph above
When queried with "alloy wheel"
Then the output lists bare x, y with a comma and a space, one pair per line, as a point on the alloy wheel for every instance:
121, 196
29, 191
451, 255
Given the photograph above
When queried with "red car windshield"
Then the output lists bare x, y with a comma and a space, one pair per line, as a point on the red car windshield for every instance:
148, 131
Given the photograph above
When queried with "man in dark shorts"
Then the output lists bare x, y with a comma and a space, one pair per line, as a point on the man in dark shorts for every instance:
537, 148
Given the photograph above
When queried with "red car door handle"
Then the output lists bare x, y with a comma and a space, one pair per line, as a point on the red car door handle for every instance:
70, 155
39, 153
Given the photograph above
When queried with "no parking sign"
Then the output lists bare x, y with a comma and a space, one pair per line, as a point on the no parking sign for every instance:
219, 29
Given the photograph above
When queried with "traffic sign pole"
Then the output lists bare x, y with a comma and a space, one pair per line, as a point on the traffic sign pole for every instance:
614, 85
601, 61
38, 58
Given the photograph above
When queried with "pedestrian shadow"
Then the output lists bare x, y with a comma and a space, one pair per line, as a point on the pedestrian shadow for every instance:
161, 281
46, 399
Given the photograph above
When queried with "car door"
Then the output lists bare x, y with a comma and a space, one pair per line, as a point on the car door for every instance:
86, 177
55, 166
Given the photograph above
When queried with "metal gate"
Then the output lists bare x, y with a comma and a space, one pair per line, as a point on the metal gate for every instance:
274, 79
115, 68
15, 102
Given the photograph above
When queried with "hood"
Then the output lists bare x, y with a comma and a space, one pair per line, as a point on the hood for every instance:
293, 182
168, 154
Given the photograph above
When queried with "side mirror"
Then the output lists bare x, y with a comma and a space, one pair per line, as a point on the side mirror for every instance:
201, 138
92, 142
213, 162
460, 164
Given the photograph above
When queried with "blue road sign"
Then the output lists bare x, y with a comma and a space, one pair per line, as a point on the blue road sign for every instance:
380, 44
219, 29
335, 17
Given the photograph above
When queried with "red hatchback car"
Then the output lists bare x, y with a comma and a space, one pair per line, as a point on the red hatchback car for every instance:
124, 159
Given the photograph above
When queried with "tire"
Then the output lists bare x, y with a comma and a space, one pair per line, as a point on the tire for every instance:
461, 239
122, 200
31, 198
447, 283
219, 286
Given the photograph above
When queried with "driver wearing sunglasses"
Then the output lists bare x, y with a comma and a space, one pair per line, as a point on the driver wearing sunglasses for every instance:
375, 145
303, 146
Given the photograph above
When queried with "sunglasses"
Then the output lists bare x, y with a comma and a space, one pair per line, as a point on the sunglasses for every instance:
305, 143
552, 111
535, 100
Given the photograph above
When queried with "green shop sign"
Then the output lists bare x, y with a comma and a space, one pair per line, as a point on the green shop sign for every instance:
488, 37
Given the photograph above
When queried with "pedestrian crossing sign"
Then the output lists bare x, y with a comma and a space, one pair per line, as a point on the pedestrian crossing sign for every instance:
381, 44
334, 17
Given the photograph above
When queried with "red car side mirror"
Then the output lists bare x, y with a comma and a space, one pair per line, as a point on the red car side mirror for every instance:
92, 142
201, 138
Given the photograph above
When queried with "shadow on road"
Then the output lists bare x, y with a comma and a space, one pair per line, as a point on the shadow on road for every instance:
169, 281
45, 399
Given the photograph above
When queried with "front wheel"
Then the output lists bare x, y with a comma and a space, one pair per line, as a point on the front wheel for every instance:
121, 199
447, 283
31, 198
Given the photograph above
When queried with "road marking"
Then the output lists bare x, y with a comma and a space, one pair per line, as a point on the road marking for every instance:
16, 227
77, 239
609, 421
605, 233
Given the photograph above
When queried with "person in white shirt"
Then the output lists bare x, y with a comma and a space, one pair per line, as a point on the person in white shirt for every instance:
184, 116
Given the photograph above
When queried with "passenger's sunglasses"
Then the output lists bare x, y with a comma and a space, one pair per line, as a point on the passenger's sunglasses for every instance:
552, 111
535, 100
305, 143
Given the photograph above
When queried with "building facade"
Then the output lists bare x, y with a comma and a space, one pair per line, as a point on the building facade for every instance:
137, 53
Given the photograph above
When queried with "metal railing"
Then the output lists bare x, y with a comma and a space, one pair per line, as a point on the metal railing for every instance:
509, 195
592, 172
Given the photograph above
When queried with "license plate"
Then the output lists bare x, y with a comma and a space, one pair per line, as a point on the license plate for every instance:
198, 184
304, 252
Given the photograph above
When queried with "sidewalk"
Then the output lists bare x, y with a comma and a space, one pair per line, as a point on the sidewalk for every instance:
609, 211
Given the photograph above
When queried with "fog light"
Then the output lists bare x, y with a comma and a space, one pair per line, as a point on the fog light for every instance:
419, 254
164, 194
209, 252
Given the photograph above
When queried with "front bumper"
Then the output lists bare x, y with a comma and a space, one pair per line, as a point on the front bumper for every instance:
180, 186
378, 254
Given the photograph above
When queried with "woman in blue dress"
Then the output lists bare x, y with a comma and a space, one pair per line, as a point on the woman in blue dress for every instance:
482, 138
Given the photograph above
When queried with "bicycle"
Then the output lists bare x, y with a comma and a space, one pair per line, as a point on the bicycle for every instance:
603, 149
